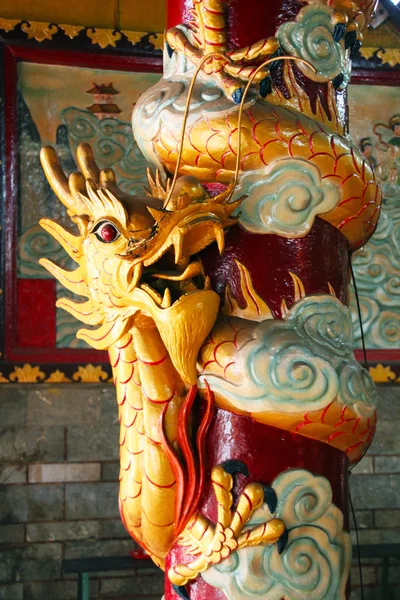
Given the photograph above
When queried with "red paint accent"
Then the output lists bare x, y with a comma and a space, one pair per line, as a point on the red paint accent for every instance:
236, 437
187, 451
378, 356
318, 258
176, 466
154, 363
246, 23
36, 313
375, 76
201, 441
13, 54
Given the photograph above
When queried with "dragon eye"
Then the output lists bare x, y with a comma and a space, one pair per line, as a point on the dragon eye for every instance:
106, 232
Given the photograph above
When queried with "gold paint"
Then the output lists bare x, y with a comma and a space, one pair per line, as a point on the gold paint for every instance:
104, 37
153, 338
256, 309
331, 290
384, 36
71, 31
3, 379
218, 357
38, 30
381, 374
158, 40
133, 36
299, 291
280, 133
9, 24
90, 374
41, 31
230, 68
390, 56
27, 374
209, 543
367, 53
57, 377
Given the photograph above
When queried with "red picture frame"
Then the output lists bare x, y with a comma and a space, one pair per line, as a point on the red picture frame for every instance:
15, 296
378, 76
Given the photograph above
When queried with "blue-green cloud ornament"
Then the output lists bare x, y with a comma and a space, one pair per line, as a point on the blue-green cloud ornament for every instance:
310, 37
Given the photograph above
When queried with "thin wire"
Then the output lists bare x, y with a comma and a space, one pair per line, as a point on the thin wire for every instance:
185, 118
366, 365
358, 547
359, 316
187, 106
246, 89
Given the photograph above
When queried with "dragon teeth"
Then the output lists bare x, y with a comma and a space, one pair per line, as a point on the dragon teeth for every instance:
166, 301
152, 293
219, 237
137, 273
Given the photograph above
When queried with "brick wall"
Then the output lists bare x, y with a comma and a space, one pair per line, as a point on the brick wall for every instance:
375, 489
58, 492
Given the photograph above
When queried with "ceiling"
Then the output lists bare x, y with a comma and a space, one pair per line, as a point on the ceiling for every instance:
132, 15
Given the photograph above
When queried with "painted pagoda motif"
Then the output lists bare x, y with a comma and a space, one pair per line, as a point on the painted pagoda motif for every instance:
103, 106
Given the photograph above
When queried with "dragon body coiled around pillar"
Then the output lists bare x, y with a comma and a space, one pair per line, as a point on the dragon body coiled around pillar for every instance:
185, 326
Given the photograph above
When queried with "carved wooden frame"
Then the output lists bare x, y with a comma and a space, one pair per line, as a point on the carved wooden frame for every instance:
384, 365
43, 364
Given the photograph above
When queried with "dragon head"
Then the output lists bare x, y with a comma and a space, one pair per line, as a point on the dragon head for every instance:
135, 256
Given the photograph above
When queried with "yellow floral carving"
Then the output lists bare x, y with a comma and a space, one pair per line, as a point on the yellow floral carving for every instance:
39, 31
71, 30
57, 377
134, 36
27, 374
367, 53
9, 24
381, 374
90, 374
158, 40
390, 56
3, 379
103, 37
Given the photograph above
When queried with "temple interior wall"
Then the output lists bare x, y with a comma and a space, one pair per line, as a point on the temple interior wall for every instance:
59, 493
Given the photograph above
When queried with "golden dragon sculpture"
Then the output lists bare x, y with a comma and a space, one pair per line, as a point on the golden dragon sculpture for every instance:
275, 181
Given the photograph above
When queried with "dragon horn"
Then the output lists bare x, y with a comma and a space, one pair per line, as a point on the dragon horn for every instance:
59, 182
86, 162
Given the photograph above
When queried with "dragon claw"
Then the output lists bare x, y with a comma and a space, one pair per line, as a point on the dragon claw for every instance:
337, 82
338, 31
180, 590
265, 86
169, 50
274, 65
282, 542
355, 48
350, 38
270, 498
234, 466
237, 95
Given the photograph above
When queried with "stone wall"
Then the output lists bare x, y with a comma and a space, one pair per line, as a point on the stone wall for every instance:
375, 490
58, 492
